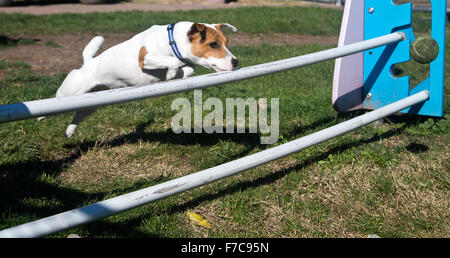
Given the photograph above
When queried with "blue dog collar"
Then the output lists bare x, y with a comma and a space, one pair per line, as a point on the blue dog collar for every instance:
173, 44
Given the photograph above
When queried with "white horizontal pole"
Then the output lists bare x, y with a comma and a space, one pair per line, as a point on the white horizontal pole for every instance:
138, 198
36, 108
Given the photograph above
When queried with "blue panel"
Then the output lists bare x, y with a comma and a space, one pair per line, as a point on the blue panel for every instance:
435, 83
384, 17
380, 86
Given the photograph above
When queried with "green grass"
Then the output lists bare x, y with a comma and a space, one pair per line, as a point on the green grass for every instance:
316, 21
52, 44
391, 180
43, 173
293, 20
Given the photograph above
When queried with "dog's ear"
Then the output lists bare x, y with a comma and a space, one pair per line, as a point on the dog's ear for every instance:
226, 25
197, 28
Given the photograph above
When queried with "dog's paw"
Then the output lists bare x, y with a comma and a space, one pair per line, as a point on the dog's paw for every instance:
70, 130
41, 118
187, 71
171, 74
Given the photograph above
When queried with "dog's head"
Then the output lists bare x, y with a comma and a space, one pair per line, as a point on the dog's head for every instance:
209, 46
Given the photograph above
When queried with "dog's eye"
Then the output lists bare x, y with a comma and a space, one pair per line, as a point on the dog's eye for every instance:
214, 45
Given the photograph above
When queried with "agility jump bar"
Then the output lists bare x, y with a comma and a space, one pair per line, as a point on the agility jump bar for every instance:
44, 107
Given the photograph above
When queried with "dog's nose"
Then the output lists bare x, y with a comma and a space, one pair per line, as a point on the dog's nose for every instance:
234, 62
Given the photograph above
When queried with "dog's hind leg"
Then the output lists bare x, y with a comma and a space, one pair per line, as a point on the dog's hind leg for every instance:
71, 85
75, 84
90, 50
79, 116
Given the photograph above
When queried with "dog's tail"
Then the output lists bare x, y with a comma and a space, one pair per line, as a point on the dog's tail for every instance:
92, 48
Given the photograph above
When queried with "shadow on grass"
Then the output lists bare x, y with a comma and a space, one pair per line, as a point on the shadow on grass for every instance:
6, 41
33, 180
140, 134
276, 175
22, 181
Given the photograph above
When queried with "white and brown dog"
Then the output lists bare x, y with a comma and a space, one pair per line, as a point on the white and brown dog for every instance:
163, 52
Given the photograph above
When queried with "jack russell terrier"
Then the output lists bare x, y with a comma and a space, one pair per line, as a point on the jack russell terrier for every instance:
162, 52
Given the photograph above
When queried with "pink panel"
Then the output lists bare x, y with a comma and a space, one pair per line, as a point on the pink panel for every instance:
348, 71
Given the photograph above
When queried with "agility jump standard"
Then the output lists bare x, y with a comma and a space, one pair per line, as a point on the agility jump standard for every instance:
377, 89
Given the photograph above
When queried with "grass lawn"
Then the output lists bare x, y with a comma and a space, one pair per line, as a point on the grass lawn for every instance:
391, 180
294, 20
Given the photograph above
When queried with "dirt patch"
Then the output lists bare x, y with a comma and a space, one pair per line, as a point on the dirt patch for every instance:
56, 53
62, 53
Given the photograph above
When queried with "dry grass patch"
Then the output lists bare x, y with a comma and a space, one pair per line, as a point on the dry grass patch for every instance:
353, 200
281, 164
218, 217
126, 163
320, 203
391, 195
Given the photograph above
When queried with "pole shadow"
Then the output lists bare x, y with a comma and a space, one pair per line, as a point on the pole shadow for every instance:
21, 180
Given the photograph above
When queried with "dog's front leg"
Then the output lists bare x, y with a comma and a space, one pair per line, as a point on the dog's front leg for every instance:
188, 70
151, 62
79, 116
178, 73
172, 73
